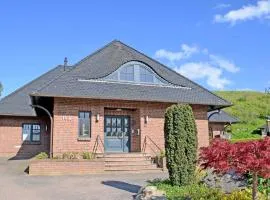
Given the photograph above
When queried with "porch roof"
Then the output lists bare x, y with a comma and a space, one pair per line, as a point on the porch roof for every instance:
222, 117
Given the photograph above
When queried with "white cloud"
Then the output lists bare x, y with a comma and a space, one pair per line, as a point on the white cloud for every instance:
186, 52
222, 5
247, 12
211, 71
224, 64
204, 70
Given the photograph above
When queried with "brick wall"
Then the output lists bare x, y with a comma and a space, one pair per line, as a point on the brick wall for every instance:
11, 143
66, 122
66, 167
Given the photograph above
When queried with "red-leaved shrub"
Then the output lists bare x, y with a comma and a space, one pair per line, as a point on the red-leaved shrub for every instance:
243, 157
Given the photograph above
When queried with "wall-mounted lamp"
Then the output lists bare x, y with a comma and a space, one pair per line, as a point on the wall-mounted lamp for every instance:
146, 119
97, 117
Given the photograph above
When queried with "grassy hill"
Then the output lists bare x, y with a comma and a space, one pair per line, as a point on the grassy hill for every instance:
251, 108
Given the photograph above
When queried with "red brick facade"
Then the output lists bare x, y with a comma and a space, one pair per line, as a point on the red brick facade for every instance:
65, 116
11, 143
66, 122
64, 167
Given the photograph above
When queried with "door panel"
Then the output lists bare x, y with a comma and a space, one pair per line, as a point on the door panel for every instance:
117, 133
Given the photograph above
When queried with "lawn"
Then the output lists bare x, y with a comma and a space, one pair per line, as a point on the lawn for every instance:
251, 108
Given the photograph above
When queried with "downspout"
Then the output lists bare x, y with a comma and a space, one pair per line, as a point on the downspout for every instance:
51, 134
217, 112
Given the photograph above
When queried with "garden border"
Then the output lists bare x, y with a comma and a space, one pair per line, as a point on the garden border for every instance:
66, 167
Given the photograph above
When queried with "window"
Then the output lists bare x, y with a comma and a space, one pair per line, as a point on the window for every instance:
136, 72
146, 75
31, 132
84, 124
127, 73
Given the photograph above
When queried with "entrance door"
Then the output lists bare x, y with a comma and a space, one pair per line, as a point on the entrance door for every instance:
117, 133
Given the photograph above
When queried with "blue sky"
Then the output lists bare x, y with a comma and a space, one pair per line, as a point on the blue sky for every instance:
223, 45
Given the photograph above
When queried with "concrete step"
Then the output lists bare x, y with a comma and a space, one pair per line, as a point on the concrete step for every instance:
127, 159
128, 163
147, 171
125, 155
130, 168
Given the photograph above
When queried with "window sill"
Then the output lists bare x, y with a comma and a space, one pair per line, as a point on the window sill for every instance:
31, 143
83, 138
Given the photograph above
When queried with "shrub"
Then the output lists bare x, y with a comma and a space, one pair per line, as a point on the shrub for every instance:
180, 144
75, 155
193, 191
242, 157
87, 155
242, 195
42, 155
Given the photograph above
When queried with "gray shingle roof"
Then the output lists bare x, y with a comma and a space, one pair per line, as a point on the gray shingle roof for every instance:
17, 103
222, 117
108, 59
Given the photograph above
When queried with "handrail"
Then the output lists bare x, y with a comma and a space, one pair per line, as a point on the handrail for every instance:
145, 143
98, 139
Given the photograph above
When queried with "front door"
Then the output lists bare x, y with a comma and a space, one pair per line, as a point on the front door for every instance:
117, 133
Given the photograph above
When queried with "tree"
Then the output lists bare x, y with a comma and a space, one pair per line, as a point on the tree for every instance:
180, 144
243, 157
1, 88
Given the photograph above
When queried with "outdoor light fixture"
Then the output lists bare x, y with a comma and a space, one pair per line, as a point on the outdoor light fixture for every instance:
97, 117
146, 119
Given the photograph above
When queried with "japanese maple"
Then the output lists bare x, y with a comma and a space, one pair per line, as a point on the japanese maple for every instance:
242, 157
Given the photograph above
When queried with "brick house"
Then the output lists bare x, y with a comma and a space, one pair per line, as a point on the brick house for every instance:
117, 94
218, 122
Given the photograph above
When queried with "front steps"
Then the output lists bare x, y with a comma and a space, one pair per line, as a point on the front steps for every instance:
129, 162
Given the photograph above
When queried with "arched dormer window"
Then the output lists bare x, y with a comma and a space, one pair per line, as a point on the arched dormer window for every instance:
136, 72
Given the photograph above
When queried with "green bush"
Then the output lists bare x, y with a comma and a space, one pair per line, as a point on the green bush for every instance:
201, 192
194, 191
263, 184
42, 155
180, 144
87, 155
242, 195
75, 155
69, 155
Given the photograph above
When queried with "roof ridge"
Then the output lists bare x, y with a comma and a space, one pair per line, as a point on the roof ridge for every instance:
173, 71
95, 52
29, 83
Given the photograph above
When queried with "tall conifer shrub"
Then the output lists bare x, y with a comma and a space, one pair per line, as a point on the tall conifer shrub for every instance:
180, 144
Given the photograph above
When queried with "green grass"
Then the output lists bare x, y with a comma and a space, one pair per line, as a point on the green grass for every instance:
251, 108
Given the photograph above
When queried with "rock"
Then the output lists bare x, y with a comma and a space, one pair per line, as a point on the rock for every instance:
150, 193
227, 182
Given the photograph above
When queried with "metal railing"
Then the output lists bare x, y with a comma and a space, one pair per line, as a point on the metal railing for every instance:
147, 138
96, 145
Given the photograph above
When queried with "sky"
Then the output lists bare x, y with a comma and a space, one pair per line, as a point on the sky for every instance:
220, 44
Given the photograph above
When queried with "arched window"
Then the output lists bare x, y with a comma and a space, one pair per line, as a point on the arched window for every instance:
136, 72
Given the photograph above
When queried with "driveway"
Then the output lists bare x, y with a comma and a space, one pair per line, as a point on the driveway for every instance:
15, 184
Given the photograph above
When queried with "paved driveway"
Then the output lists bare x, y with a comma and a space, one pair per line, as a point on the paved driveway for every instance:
15, 184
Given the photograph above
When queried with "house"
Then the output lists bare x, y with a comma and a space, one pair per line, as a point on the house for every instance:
265, 129
117, 96
218, 122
